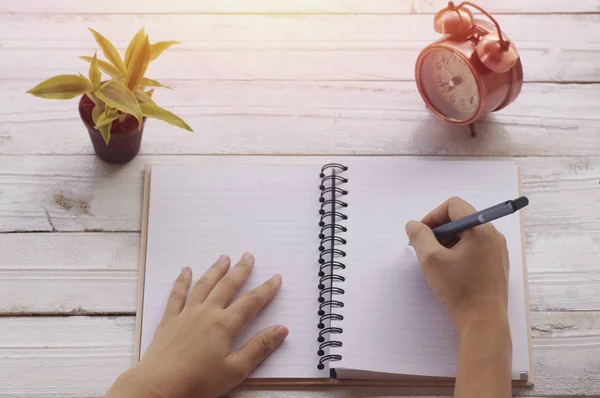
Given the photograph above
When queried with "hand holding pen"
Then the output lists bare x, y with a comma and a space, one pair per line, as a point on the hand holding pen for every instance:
471, 280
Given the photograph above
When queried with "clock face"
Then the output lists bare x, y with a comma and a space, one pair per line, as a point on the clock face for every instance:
449, 84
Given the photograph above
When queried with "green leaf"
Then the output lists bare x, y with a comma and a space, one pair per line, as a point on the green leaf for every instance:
62, 87
143, 97
109, 51
105, 118
137, 41
158, 48
118, 96
105, 131
156, 112
96, 112
95, 74
104, 67
140, 57
153, 83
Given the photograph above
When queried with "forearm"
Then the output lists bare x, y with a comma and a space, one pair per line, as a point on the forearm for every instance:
485, 359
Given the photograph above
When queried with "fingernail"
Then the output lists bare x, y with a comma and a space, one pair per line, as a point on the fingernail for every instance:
186, 271
248, 256
281, 332
222, 259
276, 279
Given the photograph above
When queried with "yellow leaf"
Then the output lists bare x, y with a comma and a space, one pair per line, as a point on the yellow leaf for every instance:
96, 112
137, 40
105, 118
117, 95
94, 99
62, 87
149, 93
143, 97
104, 67
105, 131
95, 74
156, 112
153, 83
158, 48
109, 51
138, 64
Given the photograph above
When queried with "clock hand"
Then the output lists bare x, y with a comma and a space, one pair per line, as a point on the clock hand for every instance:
448, 72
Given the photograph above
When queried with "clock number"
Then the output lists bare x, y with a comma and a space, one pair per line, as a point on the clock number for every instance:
438, 66
471, 100
445, 59
438, 79
453, 98
463, 102
453, 57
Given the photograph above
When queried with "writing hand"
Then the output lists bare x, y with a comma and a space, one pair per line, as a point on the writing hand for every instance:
470, 279
190, 354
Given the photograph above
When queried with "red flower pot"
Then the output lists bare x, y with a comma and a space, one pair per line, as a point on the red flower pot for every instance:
125, 138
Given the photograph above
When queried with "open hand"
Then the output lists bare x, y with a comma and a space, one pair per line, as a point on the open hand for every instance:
190, 354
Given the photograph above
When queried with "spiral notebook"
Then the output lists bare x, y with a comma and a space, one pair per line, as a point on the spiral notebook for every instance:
353, 297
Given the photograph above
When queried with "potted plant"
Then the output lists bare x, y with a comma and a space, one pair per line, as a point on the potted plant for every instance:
115, 109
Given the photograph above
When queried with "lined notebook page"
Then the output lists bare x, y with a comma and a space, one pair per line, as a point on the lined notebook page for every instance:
199, 212
393, 323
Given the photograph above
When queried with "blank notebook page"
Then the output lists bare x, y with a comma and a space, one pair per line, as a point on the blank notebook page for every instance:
392, 322
199, 212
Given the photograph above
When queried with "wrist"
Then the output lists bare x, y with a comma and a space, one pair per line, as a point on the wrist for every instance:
486, 314
132, 384
486, 338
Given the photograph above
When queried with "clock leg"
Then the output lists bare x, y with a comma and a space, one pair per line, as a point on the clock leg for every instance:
472, 128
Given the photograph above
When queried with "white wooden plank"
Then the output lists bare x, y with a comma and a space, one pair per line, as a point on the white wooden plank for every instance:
91, 273
68, 273
335, 117
79, 193
287, 6
253, 47
81, 356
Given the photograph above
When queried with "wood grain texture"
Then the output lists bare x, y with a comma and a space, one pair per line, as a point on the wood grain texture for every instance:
68, 273
288, 47
316, 117
289, 6
81, 356
81, 193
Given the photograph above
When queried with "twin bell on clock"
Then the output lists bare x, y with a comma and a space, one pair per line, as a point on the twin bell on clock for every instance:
474, 69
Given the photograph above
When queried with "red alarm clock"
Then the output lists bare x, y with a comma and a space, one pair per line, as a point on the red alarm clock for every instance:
474, 69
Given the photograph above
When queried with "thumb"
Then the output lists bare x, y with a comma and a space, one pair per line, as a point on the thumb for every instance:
422, 239
257, 349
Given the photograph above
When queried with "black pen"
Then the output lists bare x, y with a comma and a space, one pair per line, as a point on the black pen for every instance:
481, 217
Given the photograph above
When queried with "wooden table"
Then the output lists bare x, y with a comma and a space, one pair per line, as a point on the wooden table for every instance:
277, 77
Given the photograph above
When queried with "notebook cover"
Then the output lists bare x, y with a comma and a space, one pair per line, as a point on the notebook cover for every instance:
409, 382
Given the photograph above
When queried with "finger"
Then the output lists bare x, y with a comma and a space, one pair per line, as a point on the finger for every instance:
230, 284
450, 210
208, 281
178, 294
246, 307
423, 241
257, 349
